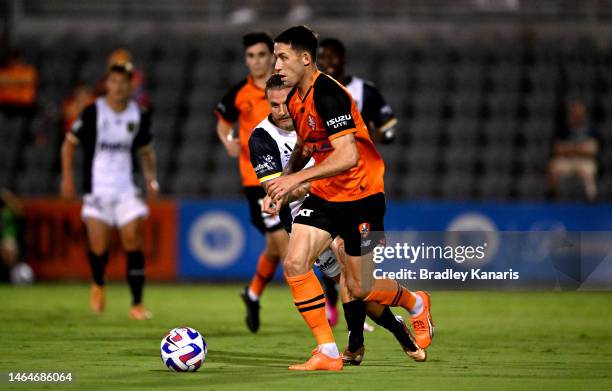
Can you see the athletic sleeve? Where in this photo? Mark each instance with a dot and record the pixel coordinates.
(144, 136)
(84, 128)
(375, 108)
(226, 109)
(265, 156)
(378, 112)
(333, 105)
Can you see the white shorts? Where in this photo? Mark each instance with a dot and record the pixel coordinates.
(116, 211)
(328, 264)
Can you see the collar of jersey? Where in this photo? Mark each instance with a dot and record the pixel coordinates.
(314, 79)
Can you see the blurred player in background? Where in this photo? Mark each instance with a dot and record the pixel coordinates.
(377, 115)
(270, 146)
(139, 93)
(346, 198)
(111, 131)
(245, 103)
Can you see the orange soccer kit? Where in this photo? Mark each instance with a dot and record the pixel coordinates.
(350, 205)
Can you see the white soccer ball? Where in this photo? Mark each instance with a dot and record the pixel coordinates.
(183, 349)
(22, 274)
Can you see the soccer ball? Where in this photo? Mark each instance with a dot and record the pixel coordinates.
(183, 349)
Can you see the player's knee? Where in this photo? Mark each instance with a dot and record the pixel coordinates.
(131, 241)
(356, 289)
(295, 266)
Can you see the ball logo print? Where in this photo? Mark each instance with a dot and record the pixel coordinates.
(183, 349)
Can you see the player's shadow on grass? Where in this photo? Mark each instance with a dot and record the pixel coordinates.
(248, 358)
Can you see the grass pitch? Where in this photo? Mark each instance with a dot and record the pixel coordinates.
(484, 340)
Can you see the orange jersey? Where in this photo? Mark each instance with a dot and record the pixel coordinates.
(247, 104)
(326, 112)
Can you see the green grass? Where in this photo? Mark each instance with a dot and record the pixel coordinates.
(485, 340)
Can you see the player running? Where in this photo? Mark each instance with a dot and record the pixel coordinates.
(270, 146)
(246, 104)
(376, 114)
(346, 197)
(111, 131)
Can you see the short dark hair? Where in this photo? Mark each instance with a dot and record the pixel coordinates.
(335, 45)
(126, 69)
(274, 82)
(300, 38)
(251, 39)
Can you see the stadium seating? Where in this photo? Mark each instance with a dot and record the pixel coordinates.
(476, 117)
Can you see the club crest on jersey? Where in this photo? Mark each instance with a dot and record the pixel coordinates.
(131, 127)
(311, 122)
(364, 229)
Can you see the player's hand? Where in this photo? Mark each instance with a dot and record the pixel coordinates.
(282, 186)
(232, 145)
(152, 188)
(67, 188)
(269, 206)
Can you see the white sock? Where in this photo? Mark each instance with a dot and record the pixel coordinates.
(418, 305)
(252, 295)
(330, 349)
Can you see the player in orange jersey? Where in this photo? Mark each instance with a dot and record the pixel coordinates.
(346, 197)
(246, 104)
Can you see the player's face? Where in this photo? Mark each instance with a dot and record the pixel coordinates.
(118, 87)
(330, 62)
(280, 113)
(259, 59)
(289, 64)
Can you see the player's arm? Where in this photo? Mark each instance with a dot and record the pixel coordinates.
(299, 158)
(382, 121)
(225, 132)
(143, 144)
(334, 106)
(83, 130)
(227, 115)
(149, 169)
(67, 183)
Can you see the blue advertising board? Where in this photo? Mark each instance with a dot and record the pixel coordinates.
(217, 240)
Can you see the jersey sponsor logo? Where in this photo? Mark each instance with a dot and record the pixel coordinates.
(305, 212)
(114, 147)
(131, 126)
(339, 121)
(266, 165)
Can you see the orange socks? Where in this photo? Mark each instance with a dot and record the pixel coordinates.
(391, 293)
(309, 299)
(265, 272)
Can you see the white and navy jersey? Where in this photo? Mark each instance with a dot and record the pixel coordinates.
(270, 148)
(109, 141)
(370, 103)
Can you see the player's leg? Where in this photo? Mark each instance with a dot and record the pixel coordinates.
(98, 239)
(360, 240)
(98, 219)
(131, 212)
(331, 300)
(305, 245)
(276, 246)
(276, 243)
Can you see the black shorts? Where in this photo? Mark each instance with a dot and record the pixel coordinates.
(360, 223)
(255, 195)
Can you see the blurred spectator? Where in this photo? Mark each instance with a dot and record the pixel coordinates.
(11, 230)
(82, 96)
(122, 56)
(17, 84)
(299, 12)
(575, 151)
